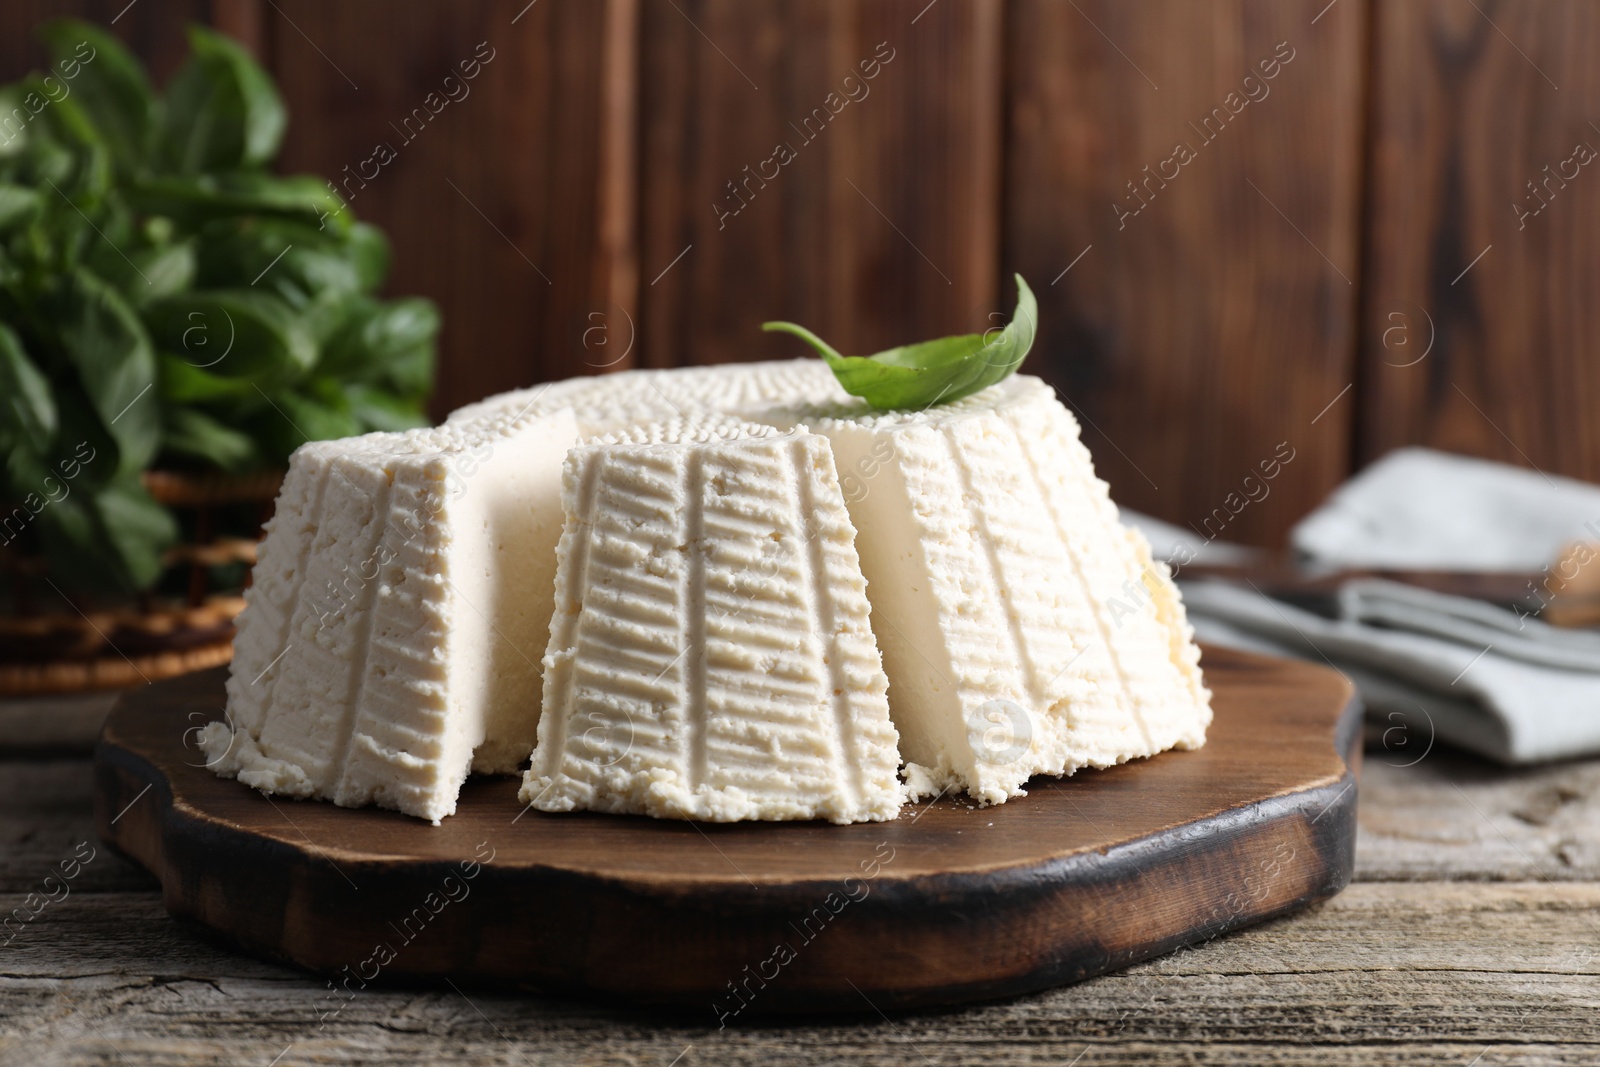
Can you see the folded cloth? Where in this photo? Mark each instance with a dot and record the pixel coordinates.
(1499, 696)
(1417, 509)
(1513, 634)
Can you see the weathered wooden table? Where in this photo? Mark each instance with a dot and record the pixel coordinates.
(1471, 936)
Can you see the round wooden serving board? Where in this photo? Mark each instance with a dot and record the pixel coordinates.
(948, 903)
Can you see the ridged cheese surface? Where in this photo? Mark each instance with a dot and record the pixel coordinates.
(711, 656)
(379, 656)
(679, 583)
(1024, 630)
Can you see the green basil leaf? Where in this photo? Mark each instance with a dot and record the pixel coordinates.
(109, 85)
(27, 408)
(109, 349)
(222, 110)
(19, 206)
(145, 274)
(193, 434)
(83, 450)
(183, 382)
(194, 201)
(111, 538)
(292, 418)
(933, 372)
(294, 260)
(369, 251)
(378, 409)
(27, 476)
(235, 333)
(139, 529)
(15, 117)
(388, 343)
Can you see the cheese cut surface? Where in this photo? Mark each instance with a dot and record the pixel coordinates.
(390, 638)
(711, 655)
(1024, 629)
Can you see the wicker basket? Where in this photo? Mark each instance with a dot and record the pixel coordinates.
(56, 644)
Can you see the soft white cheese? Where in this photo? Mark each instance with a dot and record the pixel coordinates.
(1024, 630)
(611, 402)
(710, 642)
(402, 596)
(711, 656)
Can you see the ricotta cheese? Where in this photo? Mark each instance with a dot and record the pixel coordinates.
(1024, 629)
(612, 402)
(401, 597)
(691, 550)
(711, 656)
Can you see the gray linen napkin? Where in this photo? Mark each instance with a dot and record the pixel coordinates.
(1480, 681)
(1417, 509)
(1514, 634)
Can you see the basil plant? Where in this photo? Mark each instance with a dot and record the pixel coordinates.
(167, 301)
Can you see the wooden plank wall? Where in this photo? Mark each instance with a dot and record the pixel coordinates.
(1478, 117)
(1204, 161)
(1230, 265)
(883, 224)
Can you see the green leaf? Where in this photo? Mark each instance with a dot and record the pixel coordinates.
(933, 372)
(378, 409)
(108, 84)
(83, 450)
(15, 117)
(235, 333)
(139, 528)
(107, 346)
(386, 343)
(19, 206)
(196, 435)
(223, 111)
(197, 200)
(66, 122)
(369, 251)
(294, 260)
(113, 537)
(27, 408)
(146, 274)
(292, 419)
(182, 382)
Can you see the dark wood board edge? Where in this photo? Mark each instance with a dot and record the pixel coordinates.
(907, 943)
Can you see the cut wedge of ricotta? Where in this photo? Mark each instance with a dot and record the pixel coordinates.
(1024, 629)
(711, 656)
(391, 638)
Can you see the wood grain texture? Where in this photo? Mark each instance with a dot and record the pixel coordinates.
(946, 904)
(1440, 970)
(1450, 814)
(1408, 974)
(1218, 321)
(1471, 102)
(509, 206)
(883, 225)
